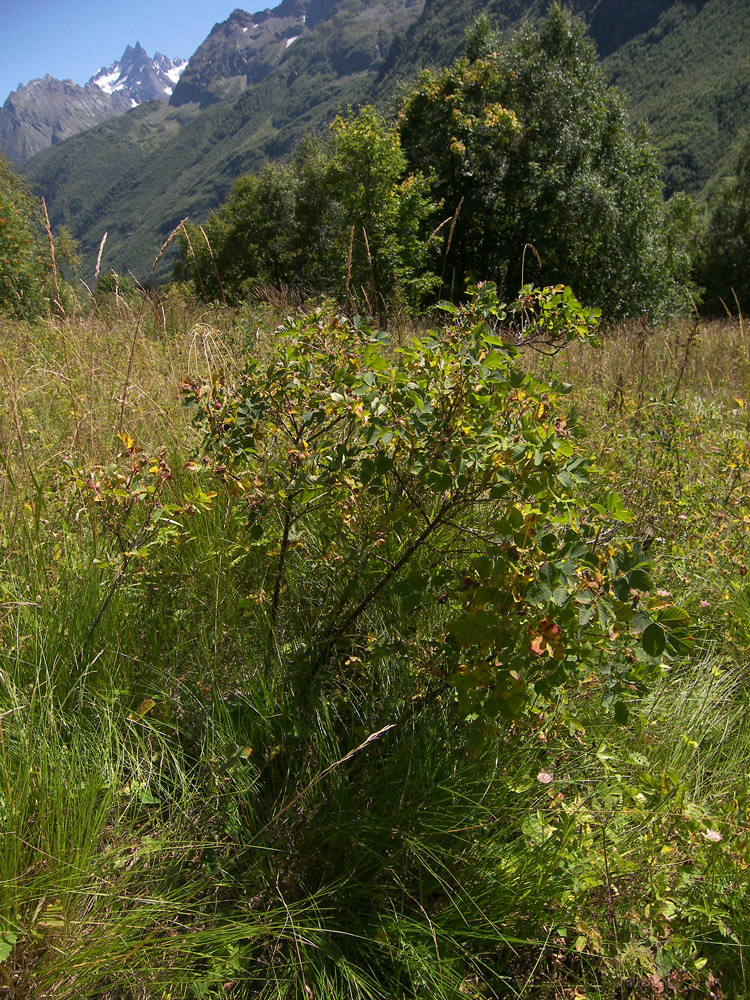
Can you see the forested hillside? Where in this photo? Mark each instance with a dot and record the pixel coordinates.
(514, 164)
(688, 79)
(138, 177)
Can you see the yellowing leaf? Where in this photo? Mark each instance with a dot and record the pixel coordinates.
(127, 440)
(143, 709)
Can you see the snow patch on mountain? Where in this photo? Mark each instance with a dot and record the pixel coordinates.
(175, 72)
(108, 82)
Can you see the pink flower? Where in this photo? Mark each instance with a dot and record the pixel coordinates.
(544, 777)
(713, 836)
(705, 604)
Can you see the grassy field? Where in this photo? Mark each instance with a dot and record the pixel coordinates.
(177, 823)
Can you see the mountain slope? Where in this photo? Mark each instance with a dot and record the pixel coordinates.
(238, 53)
(688, 79)
(349, 36)
(437, 36)
(45, 112)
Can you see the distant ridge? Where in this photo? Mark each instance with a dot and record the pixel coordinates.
(46, 112)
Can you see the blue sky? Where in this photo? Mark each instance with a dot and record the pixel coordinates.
(71, 39)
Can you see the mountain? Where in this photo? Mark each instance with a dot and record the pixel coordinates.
(240, 52)
(45, 112)
(243, 50)
(259, 81)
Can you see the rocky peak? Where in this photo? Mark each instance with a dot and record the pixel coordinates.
(140, 76)
(239, 52)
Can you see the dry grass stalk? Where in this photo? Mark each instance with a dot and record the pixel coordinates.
(58, 301)
(11, 387)
(213, 261)
(91, 349)
(448, 249)
(437, 229)
(195, 259)
(281, 298)
(372, 277)
(99, 261)
(139, 319)
(349, 268)
(528, 246)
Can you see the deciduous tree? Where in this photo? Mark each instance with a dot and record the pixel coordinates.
(529, 146)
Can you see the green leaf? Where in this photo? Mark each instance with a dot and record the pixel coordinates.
(8, 940)
(621, 588)
(538, 593)
(618, 510)
(622, 713)
(673, 616)
(640, 580)
(654, 640)
(375, 360)
(680, 642)
(449, 307)
(640, 623)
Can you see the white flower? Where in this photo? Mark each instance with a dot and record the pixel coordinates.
(713, 835)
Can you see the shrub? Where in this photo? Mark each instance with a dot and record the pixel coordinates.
(439, 486)
(22, 273)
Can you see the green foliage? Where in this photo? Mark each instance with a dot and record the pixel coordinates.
(26, 280)
(724, 267)
(279, 227)
(515, 155)
(683, 70)
(113, 286)
(386, 209)
(529, 146)
(339, 218)
(443, 477)
(22, 271)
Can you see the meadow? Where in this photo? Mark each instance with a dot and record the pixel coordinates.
(190, 809)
